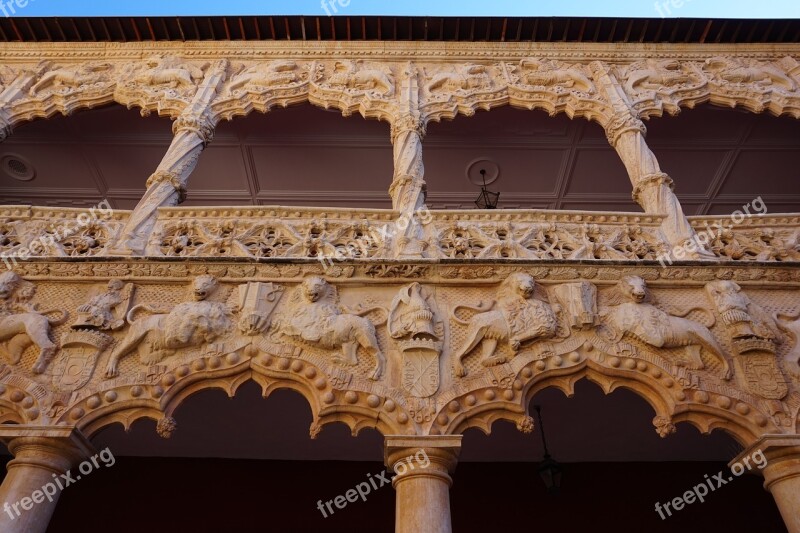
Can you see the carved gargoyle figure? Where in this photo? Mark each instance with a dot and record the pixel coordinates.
(737, 70)
(73, 76)
(23, 324)
(106, 311)
(464, 78)
(548, 74)
(188, 324)
(749, 326)
(631, 313)
(520, 318)
(349, 74)
(170, 71)
(265, 75)
(313, 315)
(655, 74)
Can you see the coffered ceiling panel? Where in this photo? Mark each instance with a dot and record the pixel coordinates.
(719, 159)
(764, 172)
(693, 170)
(530, 171)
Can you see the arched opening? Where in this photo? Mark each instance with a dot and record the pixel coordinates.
(541, 162)
(615, 468)
(232, 461)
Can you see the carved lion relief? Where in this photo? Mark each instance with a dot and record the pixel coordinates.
(632, 313)
(72, 77)
(518, 319)
(188, 324)
(313, 315)
(23, 324)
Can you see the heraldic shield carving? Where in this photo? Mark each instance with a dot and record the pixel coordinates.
(414, 321)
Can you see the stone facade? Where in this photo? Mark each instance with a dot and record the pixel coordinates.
(418, 323)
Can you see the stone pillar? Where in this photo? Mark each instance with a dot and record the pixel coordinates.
(781, 473)
(408, 183)
(652, 188)
(30, 492)
(423, 498)
(192, 131)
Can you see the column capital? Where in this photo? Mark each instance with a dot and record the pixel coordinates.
(55, 448)
(782, 453)
(408, 122)
(441, 450)
(781, 473)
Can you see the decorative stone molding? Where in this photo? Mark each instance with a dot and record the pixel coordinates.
(333, 235)
(283, 325)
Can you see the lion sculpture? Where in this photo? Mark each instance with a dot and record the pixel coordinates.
(632, 314)
(520, 318)
(187, 325)
(23, 324)
(314, 316)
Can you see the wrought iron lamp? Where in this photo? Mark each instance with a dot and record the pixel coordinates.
(487, 199)
(549, 470)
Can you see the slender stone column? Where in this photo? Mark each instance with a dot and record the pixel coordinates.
(781, 473)
(408, 187)
(652, 188)
(192, 131)
(422, 481)
(40, 455)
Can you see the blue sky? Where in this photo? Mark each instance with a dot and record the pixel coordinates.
(608, 8)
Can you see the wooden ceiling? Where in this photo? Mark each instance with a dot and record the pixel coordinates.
(359, 28)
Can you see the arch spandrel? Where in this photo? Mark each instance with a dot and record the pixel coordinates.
(379, 346)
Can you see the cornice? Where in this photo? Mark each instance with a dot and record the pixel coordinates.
(386, 50)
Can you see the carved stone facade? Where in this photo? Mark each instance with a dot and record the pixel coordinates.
(431, 324)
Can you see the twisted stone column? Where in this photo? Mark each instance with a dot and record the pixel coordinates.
(652, 188)
(781, 473)
(408, 186)
(422, 465)
(41, 455)
(192, 131)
